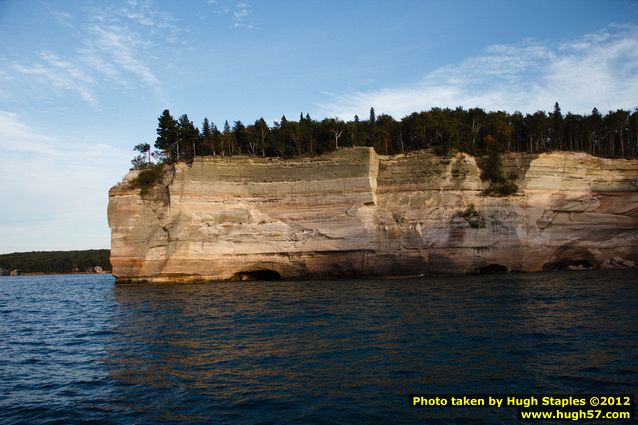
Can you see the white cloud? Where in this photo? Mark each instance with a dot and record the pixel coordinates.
(242, 11)
(115, 44)
(597, 70)
(239, 12)
(54, 190)
(59, 74)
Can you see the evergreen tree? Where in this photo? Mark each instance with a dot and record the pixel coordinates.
(188, 136)
(167, 135)
(386, 131)
(227, 140)
(143, 160)
(207, 139)
(145, 150)
(262, 130)
(557, 127)
(493, 169)
(241, 138)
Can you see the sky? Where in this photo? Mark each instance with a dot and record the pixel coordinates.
(83, 82)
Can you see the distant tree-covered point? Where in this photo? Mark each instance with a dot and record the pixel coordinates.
(56, 261)
(444, 130)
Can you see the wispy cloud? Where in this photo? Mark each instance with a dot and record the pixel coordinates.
(239, 12)
(116, 47)
(59, 74)
(597, 70)
(242, 11)
(54, 188)
(114, 43)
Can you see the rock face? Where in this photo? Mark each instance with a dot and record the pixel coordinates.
(353, 213)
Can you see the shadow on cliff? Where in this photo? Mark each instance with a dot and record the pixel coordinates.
(269, 275)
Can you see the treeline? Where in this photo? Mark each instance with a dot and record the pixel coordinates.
(473, 131)
(55, 261)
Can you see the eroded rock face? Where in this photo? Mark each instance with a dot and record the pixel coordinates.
(353, 213)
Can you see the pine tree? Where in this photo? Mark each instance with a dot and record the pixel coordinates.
(188, 136)
(227, 140)
(144, 159)
(167, 135)
(207, 139)
(557, 127)
(239, 131)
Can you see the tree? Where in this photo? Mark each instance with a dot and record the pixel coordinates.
(227, 140)
(373, 117)
(278, 140)
(387, 129)
(306, 130)
(557, 127)
(336, 128)
(207, 141)
(241, 138)
(294, 132)
(262, 129)
(354, 130)
(167, 136)
(619, 121)
(144, 148)
(252, 135)
(538, 126)
(478, 121)
(188, 136)
(143, 160)
(493, 169)
(498, 124)
(594, 127)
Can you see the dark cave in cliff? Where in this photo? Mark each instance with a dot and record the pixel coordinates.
(568, 263)
(493, 268)
(258, 275)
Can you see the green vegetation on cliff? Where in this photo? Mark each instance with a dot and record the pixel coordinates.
(473, 131)
(55, 261)
(149, 175)
(492, 171)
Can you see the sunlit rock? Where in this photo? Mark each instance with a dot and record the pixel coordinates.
(353, 213)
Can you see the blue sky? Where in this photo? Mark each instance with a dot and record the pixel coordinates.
(82, 82)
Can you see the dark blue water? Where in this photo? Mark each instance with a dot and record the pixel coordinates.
(78, 348)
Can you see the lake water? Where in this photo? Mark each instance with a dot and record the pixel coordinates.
(78, 348)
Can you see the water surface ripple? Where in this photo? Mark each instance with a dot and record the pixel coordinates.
(80, 349)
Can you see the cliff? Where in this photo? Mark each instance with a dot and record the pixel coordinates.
(353, 213)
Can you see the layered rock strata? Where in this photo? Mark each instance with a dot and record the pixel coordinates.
(353, 213)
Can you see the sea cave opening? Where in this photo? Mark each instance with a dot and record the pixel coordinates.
(568, 264)
(265, 274)
(493, 268)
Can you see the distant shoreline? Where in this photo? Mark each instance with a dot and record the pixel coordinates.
(90, 261)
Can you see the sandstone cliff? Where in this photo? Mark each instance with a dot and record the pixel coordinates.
(353, 213)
